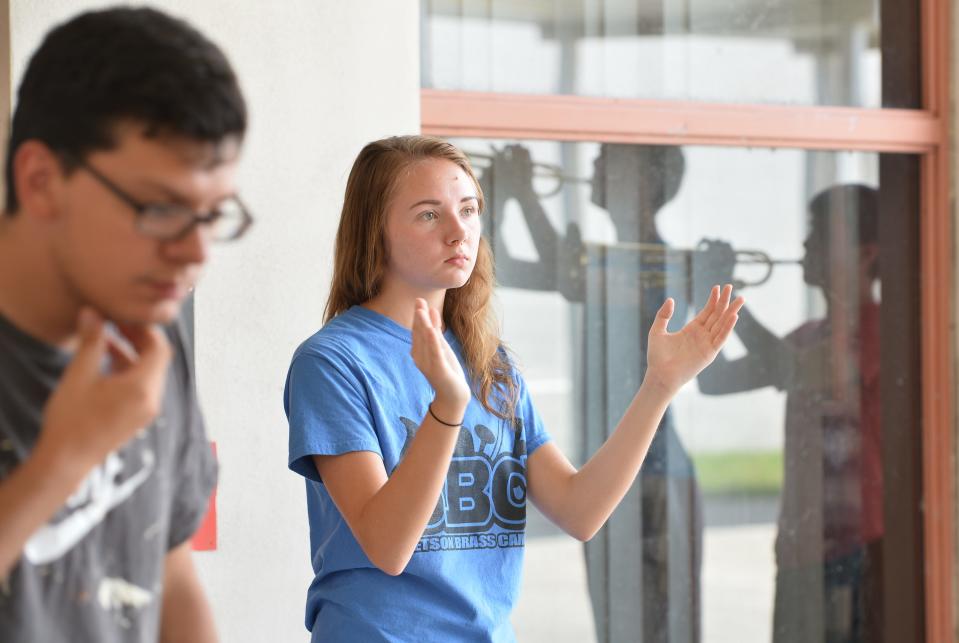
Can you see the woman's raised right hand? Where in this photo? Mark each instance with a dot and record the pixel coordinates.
(436, 360)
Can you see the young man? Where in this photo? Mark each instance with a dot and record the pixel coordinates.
(120, 172)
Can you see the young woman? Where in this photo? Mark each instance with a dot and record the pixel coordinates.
(416, 434)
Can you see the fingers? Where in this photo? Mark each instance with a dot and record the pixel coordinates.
(726, 324)
(440, 340)
(152, 348)
(434, 357)
(421, 317)
(723, 330)
(663, 315)
(122, 355)
(435, 319)
(421, 324)
(427, 331)
(718, 306)
(427, 316)
(707, 310)
(738, 303)
(93, 343)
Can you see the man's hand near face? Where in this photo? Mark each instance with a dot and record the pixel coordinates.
(91, 414)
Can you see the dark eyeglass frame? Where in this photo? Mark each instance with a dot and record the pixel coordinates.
(143, 210)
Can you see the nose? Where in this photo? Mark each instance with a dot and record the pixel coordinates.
(458, 231)
(191, 248)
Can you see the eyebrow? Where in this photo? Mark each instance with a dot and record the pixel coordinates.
(435, 202)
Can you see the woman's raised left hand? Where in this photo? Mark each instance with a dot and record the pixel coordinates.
(675, 358)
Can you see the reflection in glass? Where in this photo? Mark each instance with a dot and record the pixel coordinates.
(758, 515)
(828, 577)
(621, 286)
(806, 52)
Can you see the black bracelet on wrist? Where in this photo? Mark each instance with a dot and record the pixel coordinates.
(430, 409)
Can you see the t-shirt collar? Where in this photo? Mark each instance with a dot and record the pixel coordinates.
(390, 326)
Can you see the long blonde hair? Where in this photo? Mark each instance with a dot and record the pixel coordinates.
(360, 260)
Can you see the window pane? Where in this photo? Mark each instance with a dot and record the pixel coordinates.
(805, 52)
(760, 513)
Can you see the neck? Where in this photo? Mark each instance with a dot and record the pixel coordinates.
(636, 226)
(848, 308)
(33, 295)
(399, 303)
(855, 294)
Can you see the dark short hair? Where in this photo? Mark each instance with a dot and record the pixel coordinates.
(122, 64)
(859, 203)
(661, 169)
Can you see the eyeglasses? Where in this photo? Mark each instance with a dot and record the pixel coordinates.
(165, 221)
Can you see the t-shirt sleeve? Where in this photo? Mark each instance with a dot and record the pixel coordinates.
(196, 467)
(328, 411)
(536, 434)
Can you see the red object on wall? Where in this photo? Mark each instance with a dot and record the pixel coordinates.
(205, 537)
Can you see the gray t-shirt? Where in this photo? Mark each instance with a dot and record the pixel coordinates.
(95, 571)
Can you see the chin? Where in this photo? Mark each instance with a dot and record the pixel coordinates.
(164, 313)
(165, 317)
(458, 283)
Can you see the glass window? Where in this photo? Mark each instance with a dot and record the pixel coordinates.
(803, 52)
(761, 512)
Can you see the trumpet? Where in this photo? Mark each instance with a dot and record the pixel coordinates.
(680, 261)
(541, 170)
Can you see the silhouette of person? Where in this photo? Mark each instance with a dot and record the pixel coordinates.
(831, 515)
(621, 286)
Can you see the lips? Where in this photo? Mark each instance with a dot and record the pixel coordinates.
(458, 260)
(168, 289)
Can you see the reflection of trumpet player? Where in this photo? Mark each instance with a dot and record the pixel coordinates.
(831, 515)
(632, 183)
(508, 174)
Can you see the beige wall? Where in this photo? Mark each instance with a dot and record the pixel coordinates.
(322, 78)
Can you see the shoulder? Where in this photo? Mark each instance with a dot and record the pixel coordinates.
(511, 365)
(178, 335)
(809, 332)
(344, 344)
(181, 344)
(339, 340)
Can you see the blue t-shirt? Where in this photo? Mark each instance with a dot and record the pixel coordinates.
(354, 387)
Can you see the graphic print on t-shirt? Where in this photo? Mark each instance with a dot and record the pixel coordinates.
(103, 489)
(485, 488)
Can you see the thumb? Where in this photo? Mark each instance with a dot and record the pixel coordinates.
(663, 315)
(93, 343)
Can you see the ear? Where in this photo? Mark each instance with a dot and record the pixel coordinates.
(37, 177)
